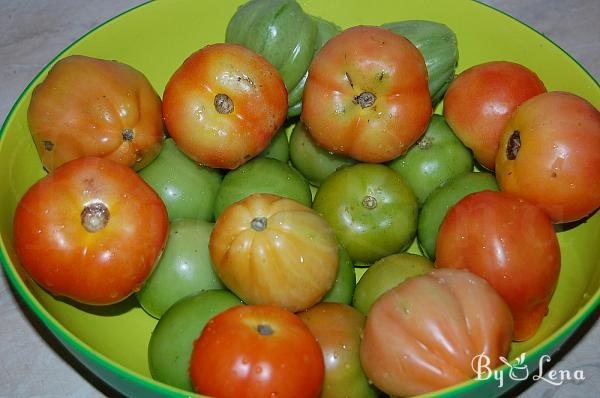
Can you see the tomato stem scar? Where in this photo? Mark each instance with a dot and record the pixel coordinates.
(94, 216)
(369, 202)
(365, 99)
(259, 223)
(223, 104)
(264, 330)
(513, 146)
(128, 134)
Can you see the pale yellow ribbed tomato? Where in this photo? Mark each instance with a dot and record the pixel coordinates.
(272, 250)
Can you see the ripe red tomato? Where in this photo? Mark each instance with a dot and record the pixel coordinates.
(257, 351)
(95, 107)
(424, 334)
(509, 242)
(550, 155)
(481, 100)
(91, 230)
(224, 105)
(366, 95)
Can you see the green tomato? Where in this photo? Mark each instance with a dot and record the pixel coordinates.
(184, 268)
(435, 158)
(262, 175)
(345, 281)
(371, 209)
(315, 163)
(172, 340)
(280, 31)
(279, 147)
(437, 204)
(325, 31)
(385, 274)
(187, 188)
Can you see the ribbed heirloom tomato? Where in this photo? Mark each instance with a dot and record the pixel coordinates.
(424, 334)
(366, 95)
(224, 104)
(91, 230)
(253, 351)
(268, 249)
(94, 107)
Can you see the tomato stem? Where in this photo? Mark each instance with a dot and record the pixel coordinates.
(259, 223)
(94, 216)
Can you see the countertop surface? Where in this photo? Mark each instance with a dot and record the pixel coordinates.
(32, 32)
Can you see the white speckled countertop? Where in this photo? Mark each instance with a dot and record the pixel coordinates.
(32, 32)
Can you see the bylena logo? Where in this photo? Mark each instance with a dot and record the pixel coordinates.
(518, 370)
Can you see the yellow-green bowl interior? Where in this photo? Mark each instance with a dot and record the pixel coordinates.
(155, 38)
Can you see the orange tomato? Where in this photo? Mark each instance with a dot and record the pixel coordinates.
(426, 333)
(94, 107)
(224, 104)
(366, 95)
(272, 250)
(550, 155)
(91, 230)
(481, 100)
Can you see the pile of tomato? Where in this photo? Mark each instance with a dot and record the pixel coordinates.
(241, 226)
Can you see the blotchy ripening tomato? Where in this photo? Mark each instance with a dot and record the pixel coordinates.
(338, 328)
(424, 334)
(366, 95)
(550, 155)
(91, 230)
(268, 249)
(95, 107)
(224, 105)
(257, 351)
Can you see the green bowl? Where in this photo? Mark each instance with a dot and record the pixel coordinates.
(155, 38)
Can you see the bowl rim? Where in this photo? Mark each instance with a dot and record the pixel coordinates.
(75, 344)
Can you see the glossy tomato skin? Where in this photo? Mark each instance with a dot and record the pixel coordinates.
(268, 249)
(509, 242)
(423, 334)
(366, 95)
(338, 328)
(262, 175)
(184, 268)
(93, 107)
(187, 189)
(550, 155)
(371, 208)
(224, 104)
(385, 274)
(91, 230)
(257, 351)
(172, 339)
(436, 157)
(480, 101)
